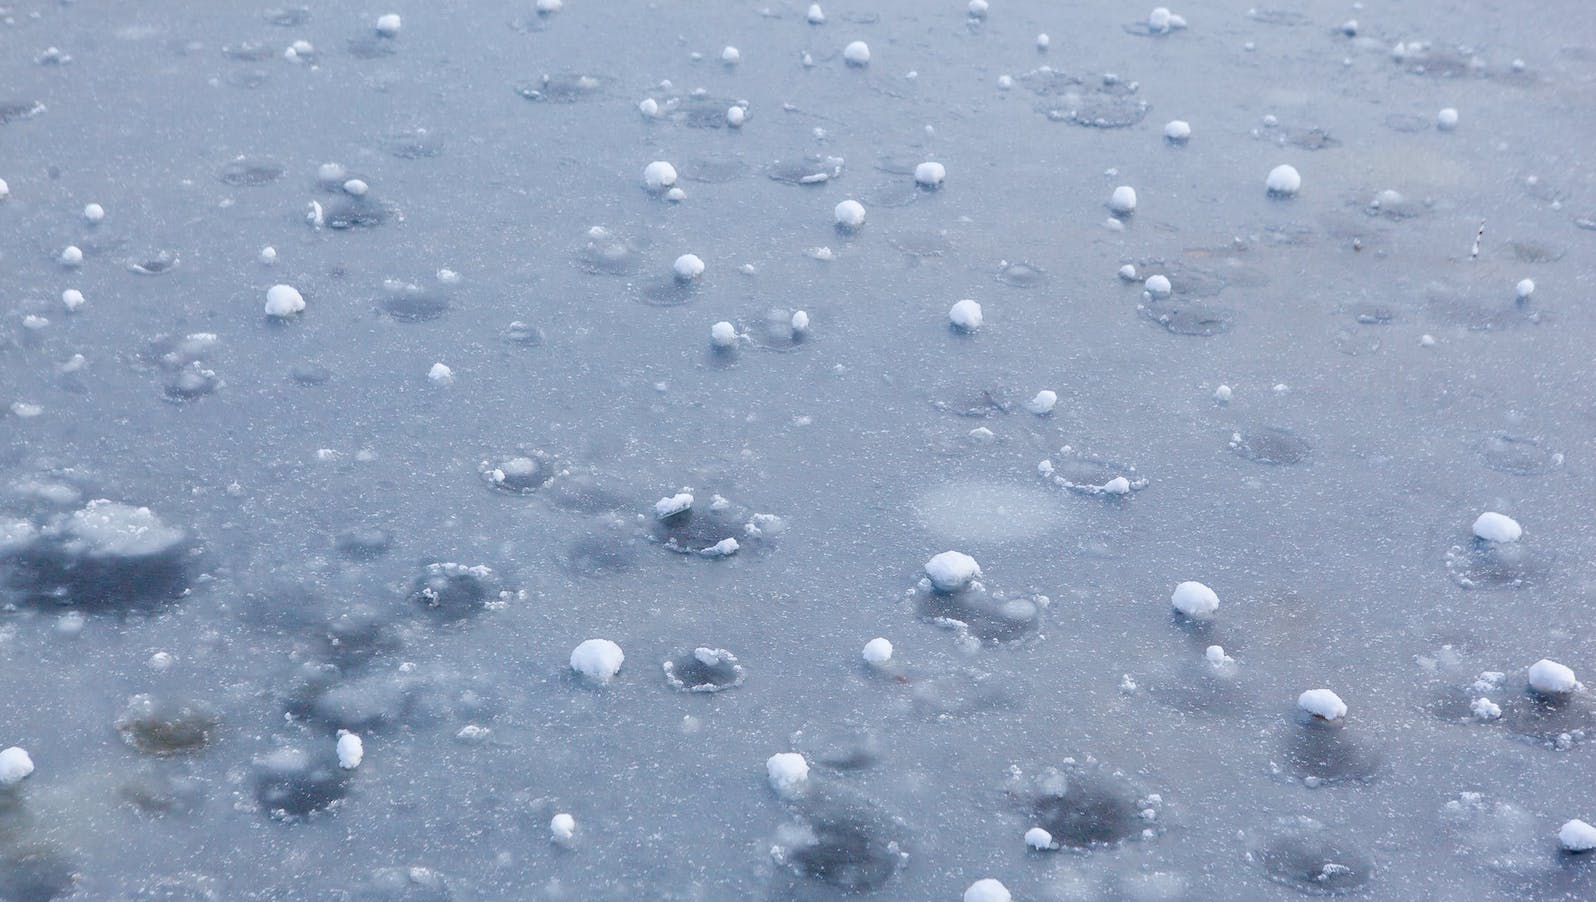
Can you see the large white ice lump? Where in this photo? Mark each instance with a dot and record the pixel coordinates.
(930, 174)
(1577, 836)
(1322, 703)
(1494, 527)
(965, 315)
(111, 529)
(351, 751)
(14, 765)
(283, 300)
(987, 890)
(659, 175)
(672, 505)
(1283, 180)
(599, 660)
(1195, 600)
(1551, 678)
(787, 772)
(951, 571)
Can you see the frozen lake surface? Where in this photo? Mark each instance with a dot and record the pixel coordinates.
(297, 583)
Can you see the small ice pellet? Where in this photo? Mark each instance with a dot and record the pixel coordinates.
(731, 56)
(1322, 703)
(736, 116)
(1159, 19)
(787, 772)
(978, 9)
(659, 175)
(562, 827)
(1427, 340)
(597, 660)
(988, 889)
(800, 321)
(389, 24)
(162, 660)
(1128, 272)
(72, 255)
(440, 374)
(816, 16)
(1043, 41)
(1195, 600)
(283, 301)
(1039, 839)
(930, 174)
(1524, 289)
(72, 298)
(952, 571)
(857, 53)
(1123, 201)
(688, 267)
(1577, 836)
(723, 335)
(1223, 394)
(1446, 120)
(15, 765)
(1551, 678)
(1157, 286)
(1177, 131)
(1494, 527)
(1485, 709)
(268, 255)
(649, 107)
(356, 187)
(448, 276)
(850, 214)
(1216, 657)
(34, 321)
(1005, 82)
(965, 315)
(877, 651)
(1043, 402)
(548, 7)
(350, 750)
(94, 213)
(5, 190)
(676, 195)
(1283, 180)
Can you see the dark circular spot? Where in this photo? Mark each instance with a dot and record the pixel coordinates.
(1273, 445)
(523, 335)
(844, 850)
(1517, 454)
(1307, 858)
(365, 543)
(295, 783)
(1086, 808)
(250, 172)
(450, 591)
(566, 87)
(977, 611)
(163, 726)
(355, 213)
(520, 474)
(603, 253)
(414, 303)
(703, 670)
(1329, 752)
(606, 547)
(153, 264)
(805, 170)
(310, 374)
(1022, 275)
(35, 873)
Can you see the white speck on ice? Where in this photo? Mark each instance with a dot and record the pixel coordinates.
(1177, 131)
(1524, 289)
(1485, 709)
(94, 213)
(440, 374)
(1494, 527)
(736, 116)
(951, 571)
(987, 889)
(1195, 600)
(1039, 839)
(965, 315)
(1157, 286)
(1123, 201)
(930, 174)
(1322, 703)
(723, 335)
(877, 651)
(283, 300)
(72, 255)
(688, 267)
(1223, 394)
(562, 827)
(1283, 180)
(1043, 403)
(1446, 120)
(800, 322)
(659, 175)
(1551, 678)
(648, 107)
(787, 771)
(599, 660)
(671, 505)
(850, 214)
(388, 25)
(15, 765)
(1577, 836)
(857, 53)
(350, 750)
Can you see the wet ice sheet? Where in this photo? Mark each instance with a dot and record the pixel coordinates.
(330, 542)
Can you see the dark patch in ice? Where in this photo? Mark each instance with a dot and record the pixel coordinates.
(955, 694)
(450, 591)
(356, 213)
(523, 335)
(703, 670)
(1558, 721)
(988, 616)
(1475, 563)
(980, 403)
(1085, 806)
(1309, 138)
(248, 79)
(1305, 856)
(411, 884)
(846, 844)
(806, 170)
(702, 528)
(604, 253)
(671, 292)
(161, 726)
(1457, 305)
(105, 556)
(1520, 455)
(370, 47)
(249, 172)
(1194, 319)
(18, 110)
(1106, 102)
(35, 872)
(605, 547)
(411, 303)
(845, 748)
(1286, 17)
(1366, 313)
(249, 51)
(323, 695)
(1329, 752)
(191, 383)
(364, 543)
(1273, 445)
(702, 111)
(715, 170)
(775, 332)
(155, 263)
(893, 194)
(585, 490)
(286, 16)
(921, 244)
(519, 474)
(1530, 251)
(1021, 274)
(414, 144)
(566, 87)
(310, 374)
(1407, 123)
(294, 783)
(160, 792)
